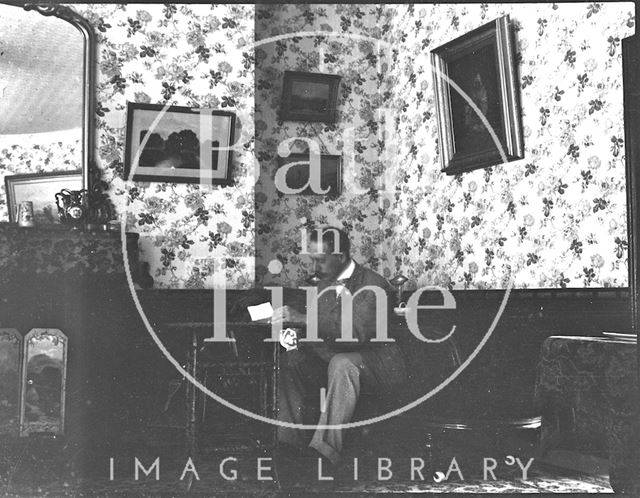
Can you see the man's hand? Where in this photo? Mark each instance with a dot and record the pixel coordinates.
(287, 314)
(289, 339)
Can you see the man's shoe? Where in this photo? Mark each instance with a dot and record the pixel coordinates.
(322, 468)
(290, 451)
(297, 466)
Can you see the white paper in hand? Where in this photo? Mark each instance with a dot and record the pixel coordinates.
(262, 311)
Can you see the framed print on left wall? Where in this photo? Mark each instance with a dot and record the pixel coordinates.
(178, 144)
(477, 99)
(41, 189)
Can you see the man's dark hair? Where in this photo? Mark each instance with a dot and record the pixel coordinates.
(330, 237)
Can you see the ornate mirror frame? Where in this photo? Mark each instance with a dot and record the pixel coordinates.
(10, 363)
(631, 80)
(88, 99)
(47, 426)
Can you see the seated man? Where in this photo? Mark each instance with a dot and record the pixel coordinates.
(346, 367)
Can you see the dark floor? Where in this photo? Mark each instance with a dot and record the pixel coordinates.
(45, 467)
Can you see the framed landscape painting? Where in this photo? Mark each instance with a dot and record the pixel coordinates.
(309, 97)
(178, 144)
(41, 189)
(477, 103)
(297, 176)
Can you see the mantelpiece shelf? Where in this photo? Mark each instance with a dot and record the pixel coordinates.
(55, 251)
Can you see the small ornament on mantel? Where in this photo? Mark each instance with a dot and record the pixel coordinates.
(72, 207)
(100, 209)
(24, 214)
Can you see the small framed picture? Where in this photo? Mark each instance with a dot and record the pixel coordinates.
(178, 144)
(294, 175)
(479, 119)
(309, 97)
(41, 189)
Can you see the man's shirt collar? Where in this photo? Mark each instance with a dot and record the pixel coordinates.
(347, 272)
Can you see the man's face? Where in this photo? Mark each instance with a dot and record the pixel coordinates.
(326, 264)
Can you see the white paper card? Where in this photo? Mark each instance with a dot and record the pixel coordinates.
(260, 311)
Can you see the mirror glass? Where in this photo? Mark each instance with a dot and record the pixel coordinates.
(10, 347)
(43, 382)
(42, 76)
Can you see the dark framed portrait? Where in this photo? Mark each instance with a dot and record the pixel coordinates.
(309, 97)
(298, 174)
(477, 101)
(178, 144)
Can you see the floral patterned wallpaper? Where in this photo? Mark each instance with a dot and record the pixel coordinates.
(346, 44)
(557, 218)
(554, 219)
(190, 55)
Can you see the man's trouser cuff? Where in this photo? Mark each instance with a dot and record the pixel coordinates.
(326, 451)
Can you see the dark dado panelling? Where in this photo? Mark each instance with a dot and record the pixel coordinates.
(500, 380)
(117, 374)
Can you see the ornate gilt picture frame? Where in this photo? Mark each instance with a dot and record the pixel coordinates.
(477, 102)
